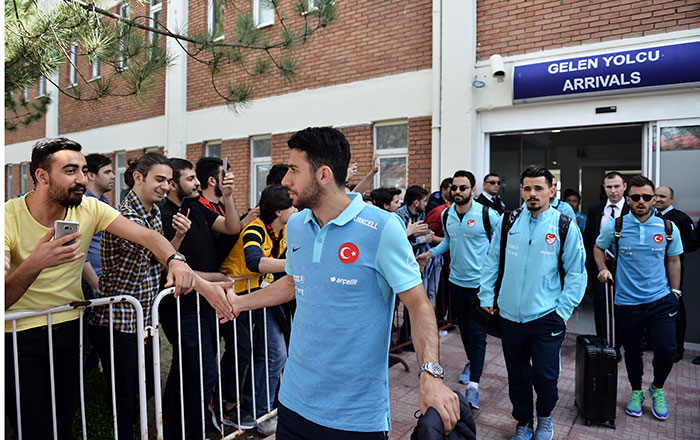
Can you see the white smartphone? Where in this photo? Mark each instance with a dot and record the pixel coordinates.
(64, 228)
(225, 165)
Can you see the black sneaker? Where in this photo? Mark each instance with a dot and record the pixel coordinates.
(230, 418)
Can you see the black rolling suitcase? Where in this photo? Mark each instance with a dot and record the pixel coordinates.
(596, 372)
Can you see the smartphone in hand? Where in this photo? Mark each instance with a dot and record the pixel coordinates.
(64, 228)
(186, 205)
(225, 169)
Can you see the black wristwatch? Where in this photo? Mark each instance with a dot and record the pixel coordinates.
(176, 256)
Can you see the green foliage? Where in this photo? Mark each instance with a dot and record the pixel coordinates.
(132, 53)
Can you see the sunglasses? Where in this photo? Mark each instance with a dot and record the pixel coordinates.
(636, 197)
(494, 182)
(460, 187)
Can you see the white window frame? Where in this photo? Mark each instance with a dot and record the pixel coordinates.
(254, 162)
(96, 69)
(72, 70)
(209, 146)
(389, 153)
(119, 170)
(312, 5)
(211, 18)
(41, 86)
(124, 11)
(23, 176)
(256, 15)
(25, 93)
(153, 9)
(8, 181)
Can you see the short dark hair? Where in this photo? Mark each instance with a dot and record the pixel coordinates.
(324, 146)
(612, 175)
(446, 183)
(538, 172)
(467, 174)
(207, 167)
(178, 164)
(568, 192)
(276, 173)
(274, 197)
(414, 193)
(96, 161)
(640, 181)
(143, 165)
(44, 149)
(486, 177)
(383, 196)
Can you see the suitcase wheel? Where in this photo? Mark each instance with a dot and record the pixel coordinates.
(612, 424)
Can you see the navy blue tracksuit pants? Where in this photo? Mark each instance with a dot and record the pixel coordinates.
(473, 337)
(532, 354)
(659, 317)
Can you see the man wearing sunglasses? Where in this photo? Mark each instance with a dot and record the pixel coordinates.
(490, 197)
(647, 292)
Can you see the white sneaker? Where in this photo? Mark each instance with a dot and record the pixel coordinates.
(442, 333)
(268, 427)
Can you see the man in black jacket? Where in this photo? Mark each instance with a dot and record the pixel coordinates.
(490, 197)
(664, 206)
(598, 216)
(439, 198)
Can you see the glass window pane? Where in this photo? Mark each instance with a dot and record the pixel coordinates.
(392, 136)
(121, 160)
(266, 13)
(680, 155)
(393, 172)
(213, 150)
(261, 171)
(262, 147)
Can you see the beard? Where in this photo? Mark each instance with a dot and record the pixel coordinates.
(217, 191)
(309, 197)
(182, 194)
(463, 201)
(67, 199)
(532, 208)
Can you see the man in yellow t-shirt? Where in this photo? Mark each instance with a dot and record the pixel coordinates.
(45, 273)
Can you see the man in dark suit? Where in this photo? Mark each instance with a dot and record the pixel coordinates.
(598, 216)
(490, 197)
(664, 206)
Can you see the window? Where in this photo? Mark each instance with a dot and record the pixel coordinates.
(313, 4)
(213, 149)
(41, 87)
(263, 13)
(72, 66)
(96, 69)
(154, 13)
(8, 182)
(391, 144)
(23, 172)
(215, 19)
(120, 189)
(260, 164)
(124, 13)
(25, 93)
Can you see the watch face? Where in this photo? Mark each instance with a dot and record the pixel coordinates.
(436, 369)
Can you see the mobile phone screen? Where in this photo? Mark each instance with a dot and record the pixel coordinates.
(186, 205)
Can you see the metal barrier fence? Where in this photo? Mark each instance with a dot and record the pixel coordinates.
(219, 400)
(81, 306)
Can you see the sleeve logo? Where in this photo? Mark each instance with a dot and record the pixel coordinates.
(348, 253)
(471, 223)
(658, 238)
(550, 239)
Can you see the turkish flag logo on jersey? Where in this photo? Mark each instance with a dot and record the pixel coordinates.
(471, 223)
(658, 238)
(348, 253)
(550, 239)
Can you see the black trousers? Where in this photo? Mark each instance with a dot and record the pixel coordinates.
(230, 376)
(126, 374)
(680, 327)
(659, 317)
(292, 426)
(35, 380)
(473, 337)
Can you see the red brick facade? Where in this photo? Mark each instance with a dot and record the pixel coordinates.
(518, 27)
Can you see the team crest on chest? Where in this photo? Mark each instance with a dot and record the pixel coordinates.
(658, 238)
(550, 239)
(471, 223)
(348, 253)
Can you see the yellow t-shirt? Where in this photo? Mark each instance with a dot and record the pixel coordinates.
(57, 285)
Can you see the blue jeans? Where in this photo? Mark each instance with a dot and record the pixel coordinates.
(277, 357)
(190, 370)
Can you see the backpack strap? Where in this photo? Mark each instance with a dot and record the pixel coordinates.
(444, 221)
(509, 218)
(618, 234)
(564, 223)
(487, 221)
(669, 232)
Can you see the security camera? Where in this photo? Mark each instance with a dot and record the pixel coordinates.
(498, 69)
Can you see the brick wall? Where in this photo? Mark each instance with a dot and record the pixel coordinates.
(517, 27)
(77, 116)
(371, 39)
(35, 130)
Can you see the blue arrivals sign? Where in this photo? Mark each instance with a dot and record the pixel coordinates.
(663, 66)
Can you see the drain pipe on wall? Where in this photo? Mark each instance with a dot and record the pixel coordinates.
(437, 95)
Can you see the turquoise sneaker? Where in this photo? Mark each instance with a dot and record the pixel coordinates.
(464, 375)
(522, 433)
(472, 396)
(634, 406)
(545, 428)
(658, 403)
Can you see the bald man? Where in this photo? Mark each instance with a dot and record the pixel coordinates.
(664, 206)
